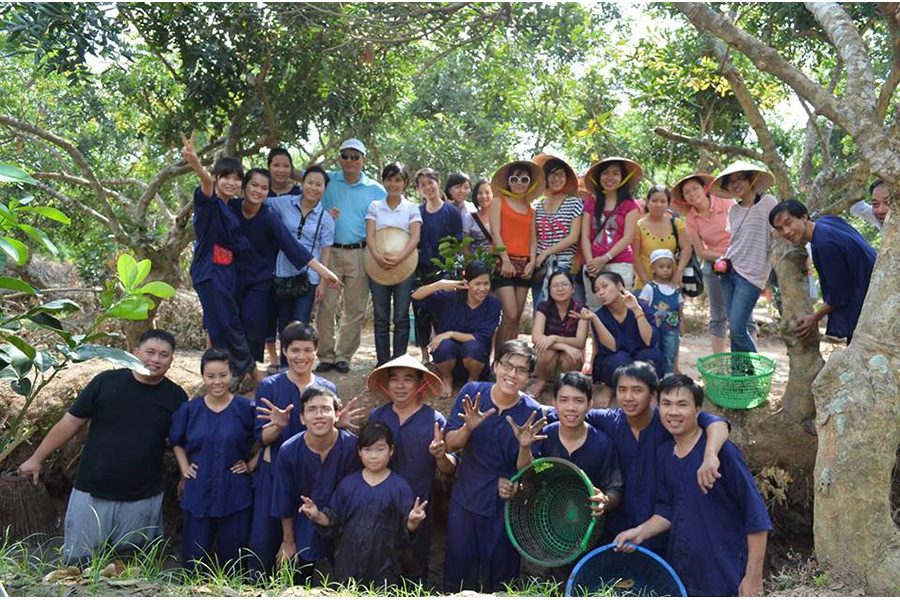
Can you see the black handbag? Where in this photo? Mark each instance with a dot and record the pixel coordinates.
(692, 279)
(294, 286)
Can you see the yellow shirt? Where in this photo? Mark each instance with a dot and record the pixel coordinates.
(650, 242)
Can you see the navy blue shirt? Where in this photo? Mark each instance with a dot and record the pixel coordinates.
(412, 460)
(844, 261)
(597, 456)
(371, 524)
(452, 313)
(490, 452)
(214, 441)
(282, 392)
(300, 472)
(295, 190)
(627, 335)
(265, 235)
(214, 225)
(708, 537)
(446, 221)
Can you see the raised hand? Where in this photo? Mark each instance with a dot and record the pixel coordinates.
(240, 467)
(187, 150)
(452, 285)
(529, 432)
(275, 416)
(472, 414)
(416, 515)
(348, 415)
(437, 447)
(631, 303)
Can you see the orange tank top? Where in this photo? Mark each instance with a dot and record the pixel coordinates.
(515, 229)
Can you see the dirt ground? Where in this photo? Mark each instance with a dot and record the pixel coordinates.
(59, 471)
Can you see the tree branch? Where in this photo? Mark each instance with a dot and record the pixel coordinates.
(79, 160)
(889, 9)
(151, 190)
(72, 180)
(709, 144)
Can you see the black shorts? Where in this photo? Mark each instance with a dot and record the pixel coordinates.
(520, 282)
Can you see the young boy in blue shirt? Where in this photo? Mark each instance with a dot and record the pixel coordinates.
(717, 540)
(310, 464)
(476, 534)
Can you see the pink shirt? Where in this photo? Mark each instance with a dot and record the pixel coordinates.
(713, 230)
(613, 229)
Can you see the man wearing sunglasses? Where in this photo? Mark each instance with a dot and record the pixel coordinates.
(347, 198)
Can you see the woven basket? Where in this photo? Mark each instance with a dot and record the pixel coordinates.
(26, 508)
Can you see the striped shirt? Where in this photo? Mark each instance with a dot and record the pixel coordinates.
(288, 208)
(751, 240)
(554, 227)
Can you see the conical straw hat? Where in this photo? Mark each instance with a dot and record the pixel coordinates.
(678, 196)
(760, 179)
(377, 381)
(500, 185)
(633, 173)
(392, 240)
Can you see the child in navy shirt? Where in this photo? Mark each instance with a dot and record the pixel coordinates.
(419, 448)
(717, 541)
(372, 512)
(212, 436)
(667, 305)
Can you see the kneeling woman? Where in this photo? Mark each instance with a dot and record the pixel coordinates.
(559, 334)
(212, 436)
(623, 327)
(466, 318)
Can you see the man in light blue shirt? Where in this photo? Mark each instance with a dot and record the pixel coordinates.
(347, 198)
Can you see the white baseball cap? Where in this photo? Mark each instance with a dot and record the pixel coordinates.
(354, 144)
(661, 253)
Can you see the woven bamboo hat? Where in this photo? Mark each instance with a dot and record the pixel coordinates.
(377, 381)
(391, 240)
(678, 195)
(633, 173)
(571, 178)
(500, 183)
(760, 180)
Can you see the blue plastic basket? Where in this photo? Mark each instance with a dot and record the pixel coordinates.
(638, 573)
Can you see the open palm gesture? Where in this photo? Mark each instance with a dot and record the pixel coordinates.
(529, 432)
(472, 414)
(276, 417)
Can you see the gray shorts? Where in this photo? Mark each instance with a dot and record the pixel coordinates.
(92, 522)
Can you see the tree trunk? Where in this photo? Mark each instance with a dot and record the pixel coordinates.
(856, 394)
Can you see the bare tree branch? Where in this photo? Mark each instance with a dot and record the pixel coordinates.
(72, 180)
(79, 160)
(709, 144)
(889, 9)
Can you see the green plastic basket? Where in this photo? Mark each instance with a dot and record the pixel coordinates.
(740, 380)
(549, 519)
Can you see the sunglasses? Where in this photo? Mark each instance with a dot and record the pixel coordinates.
(347, 156)
(523, 179)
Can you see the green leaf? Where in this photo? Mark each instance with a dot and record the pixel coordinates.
(18, 360)
(45, 361)
(40, 237)
(55, 306)
(143, 271)
(49, 212)
(131, 309)
(8, 215)
(8, 372)
(21, 386)
(12, 174)
(128, 270)
(14, 249)
(45, 321)
(160, 289)
(22, 345)
(12, 283)
(117, 357)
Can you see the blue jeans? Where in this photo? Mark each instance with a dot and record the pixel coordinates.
(382, 296)
(295, 309)
(740, 299)
(669, 341)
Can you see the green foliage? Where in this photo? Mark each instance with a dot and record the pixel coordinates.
(28, 367)
(456, 254)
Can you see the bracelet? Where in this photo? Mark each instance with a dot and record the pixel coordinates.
(608, 257)
(640, 314)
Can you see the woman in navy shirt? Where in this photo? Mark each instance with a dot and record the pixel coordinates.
(212, 436)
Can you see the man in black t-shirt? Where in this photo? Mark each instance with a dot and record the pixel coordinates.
(117, 496)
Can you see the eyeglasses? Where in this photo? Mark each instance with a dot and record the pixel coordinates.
(562, 285)
(515, 369)
(348, 156)
(523, 179)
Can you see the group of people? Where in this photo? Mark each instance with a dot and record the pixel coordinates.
(281, 477)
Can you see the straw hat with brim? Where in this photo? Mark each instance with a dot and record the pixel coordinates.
(571, 187)
(377, 381)
(500, 183)
(760, 180)
(391, 240)
(678, 195)
(633, 174)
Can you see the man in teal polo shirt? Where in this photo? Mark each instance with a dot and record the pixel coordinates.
(347, 197)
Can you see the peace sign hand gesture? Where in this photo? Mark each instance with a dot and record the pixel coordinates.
(437, 448)
(275, 416)
(631, 303)
(416, 515)
(529, 432)
(472, 414)
(187, 150)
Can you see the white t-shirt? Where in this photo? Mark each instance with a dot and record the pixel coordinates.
(647, 292)
(400, 217)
